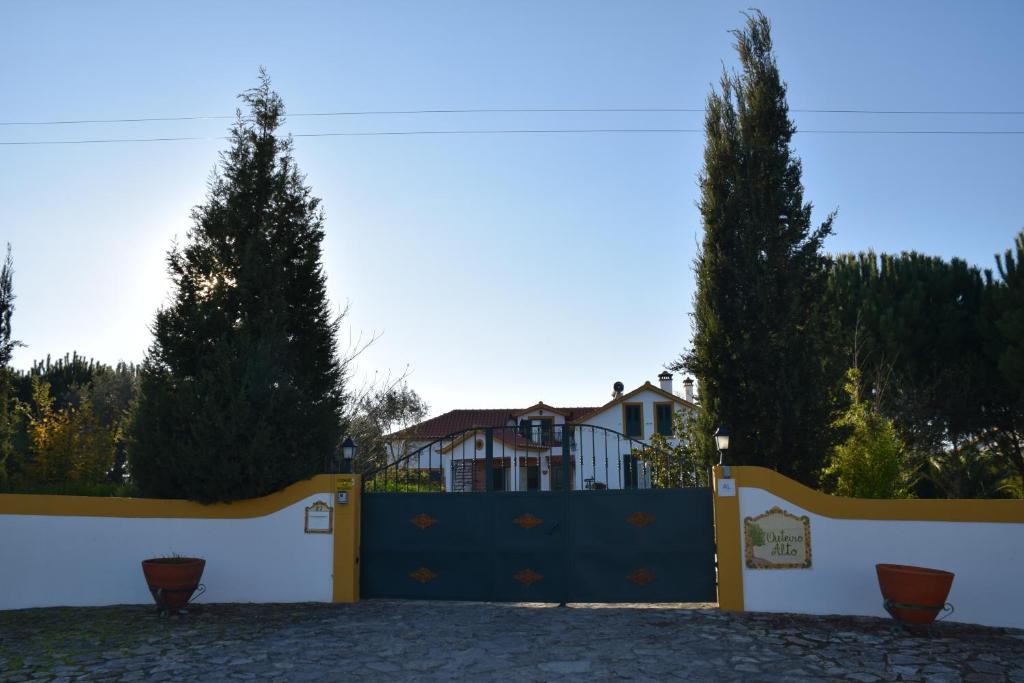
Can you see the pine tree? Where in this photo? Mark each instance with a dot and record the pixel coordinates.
(242, 389)
(1006, 313)
(759, 346)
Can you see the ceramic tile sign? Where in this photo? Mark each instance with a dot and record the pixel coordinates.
(319, 518)
(777, 540)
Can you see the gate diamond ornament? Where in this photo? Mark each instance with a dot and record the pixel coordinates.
(527, 577)
(423, 521)
(641, 577)
(640, 519)
(527, 521)
(423, 575)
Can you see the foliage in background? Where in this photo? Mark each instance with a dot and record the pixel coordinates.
(942, 342)
(380, 411)
(758, 350)
(66, 445)
(1006, 334)
(677, 461)
(868, 463)
(242, 388)
(89, 410)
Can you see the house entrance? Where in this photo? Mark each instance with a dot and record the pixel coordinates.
(583, 514)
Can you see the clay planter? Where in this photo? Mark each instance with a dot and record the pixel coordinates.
(173, 580)
(913, 596)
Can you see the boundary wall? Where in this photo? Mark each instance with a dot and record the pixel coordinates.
(81, 550)
(981, 541)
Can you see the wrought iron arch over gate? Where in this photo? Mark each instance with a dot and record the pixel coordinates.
(556, 513)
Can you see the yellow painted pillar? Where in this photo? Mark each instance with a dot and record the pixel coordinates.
(727, 539)
(346, 537)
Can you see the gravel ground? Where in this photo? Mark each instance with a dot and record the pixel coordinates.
(440, 641)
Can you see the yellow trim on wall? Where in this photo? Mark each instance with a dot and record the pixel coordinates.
(540, 406)
(624, 427)
(940, 510)
(90, 506)
(345, 577)
(728, 548)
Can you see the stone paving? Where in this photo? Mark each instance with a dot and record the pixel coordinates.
(442, 641)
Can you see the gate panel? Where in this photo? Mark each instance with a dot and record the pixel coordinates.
(529, 542)
(642, 546)
(426, 534)
(425, 545)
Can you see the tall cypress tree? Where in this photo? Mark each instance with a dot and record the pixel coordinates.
(242, 389)
(7, 346)
(758, 347)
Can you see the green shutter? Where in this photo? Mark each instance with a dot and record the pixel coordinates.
(634, 421)
(663, 416)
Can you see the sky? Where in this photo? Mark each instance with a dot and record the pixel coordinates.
(501, 269)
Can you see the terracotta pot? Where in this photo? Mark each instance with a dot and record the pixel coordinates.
(913, 595)
(173, 580)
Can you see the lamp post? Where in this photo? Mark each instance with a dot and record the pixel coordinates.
(348, 454)
(722, 441)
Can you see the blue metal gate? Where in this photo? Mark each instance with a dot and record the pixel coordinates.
(484, 515)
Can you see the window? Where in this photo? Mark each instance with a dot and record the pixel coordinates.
(633, 420)
(663, 418)
(543, 429)
(463, 476)
(557, 474)
(499, 478)
(529, 475)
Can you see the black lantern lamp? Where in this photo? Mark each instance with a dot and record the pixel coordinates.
(348, 454)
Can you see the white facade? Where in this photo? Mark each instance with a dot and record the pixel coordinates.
(986, 558)
(62, 560)
(598, 448)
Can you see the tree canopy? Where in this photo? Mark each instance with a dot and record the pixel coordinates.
(242, 389)
(758, 349)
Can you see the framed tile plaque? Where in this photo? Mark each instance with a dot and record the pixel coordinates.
(319, 518)
(777, 539)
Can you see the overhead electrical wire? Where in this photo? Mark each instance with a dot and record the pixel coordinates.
(520, 110)
(506, 131)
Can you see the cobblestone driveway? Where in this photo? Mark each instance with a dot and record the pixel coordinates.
(412, 641)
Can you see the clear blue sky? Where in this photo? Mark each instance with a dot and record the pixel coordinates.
(502, 269)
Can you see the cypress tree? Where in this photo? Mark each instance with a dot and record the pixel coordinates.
(759, 346)
(242, 388)
(7, 346)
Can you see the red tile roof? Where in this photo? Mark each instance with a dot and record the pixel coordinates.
(461, 419)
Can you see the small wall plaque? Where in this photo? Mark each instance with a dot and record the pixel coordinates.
(319, 518)
(777, 539)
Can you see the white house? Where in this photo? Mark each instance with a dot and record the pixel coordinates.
(528, 443)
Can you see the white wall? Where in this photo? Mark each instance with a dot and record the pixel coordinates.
(987, 559)
(64, 560)
(612, 417)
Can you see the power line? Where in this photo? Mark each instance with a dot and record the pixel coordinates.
(517, 110)
(507, 131)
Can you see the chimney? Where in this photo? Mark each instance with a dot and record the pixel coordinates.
(665, 379)
(617, 389)
(688, 389)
